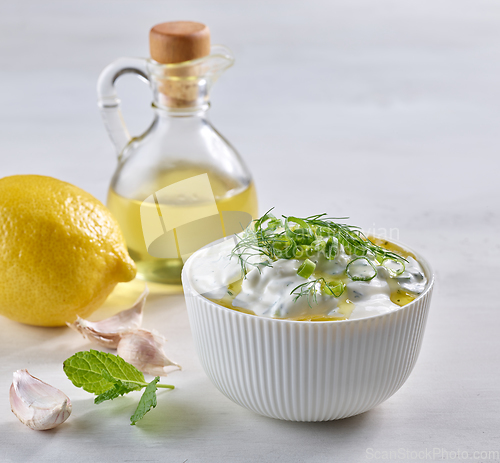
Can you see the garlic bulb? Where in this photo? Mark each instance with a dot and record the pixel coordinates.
(108, 332)
(37, 404)
(144, 350)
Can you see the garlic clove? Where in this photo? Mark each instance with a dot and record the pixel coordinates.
(38, 405)
(144, 350)
(108, 332)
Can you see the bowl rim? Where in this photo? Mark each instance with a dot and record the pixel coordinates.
(420, 259)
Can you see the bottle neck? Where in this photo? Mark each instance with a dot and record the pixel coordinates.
(189, 112)
(187, 85)
(180, 94)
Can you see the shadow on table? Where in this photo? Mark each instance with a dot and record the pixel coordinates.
(177, 418)
(183, 420)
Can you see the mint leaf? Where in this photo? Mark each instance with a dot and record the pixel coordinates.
(110, 394)
(109, 376)
(147, 402)
(124, 385)
(97, 372)
(119, 388)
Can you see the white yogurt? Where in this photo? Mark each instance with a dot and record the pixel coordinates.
(266, 291)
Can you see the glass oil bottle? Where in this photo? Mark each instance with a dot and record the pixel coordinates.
(180, 185)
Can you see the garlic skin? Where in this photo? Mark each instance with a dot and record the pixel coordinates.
(38, 405)
(108, 332)
(144, 350)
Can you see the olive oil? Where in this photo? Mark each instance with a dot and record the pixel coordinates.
(127, 211)
(401, 297)
(345, 306)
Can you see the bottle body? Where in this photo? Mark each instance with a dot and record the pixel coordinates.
(180, 185)
(165, 270)
(178, 147)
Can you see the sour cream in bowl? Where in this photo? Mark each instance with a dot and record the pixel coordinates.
(307, 319)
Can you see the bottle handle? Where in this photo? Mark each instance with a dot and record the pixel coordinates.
(109, 103)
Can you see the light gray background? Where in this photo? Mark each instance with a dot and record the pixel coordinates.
(385, 111)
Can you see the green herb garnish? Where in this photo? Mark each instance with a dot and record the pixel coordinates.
(109, 376)
(310, 289)
(269, 238)
(306, 269)
(362, 277)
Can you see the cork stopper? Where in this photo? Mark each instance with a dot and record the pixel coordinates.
(178, 41)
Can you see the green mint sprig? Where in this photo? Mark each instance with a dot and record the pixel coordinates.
(147, 402)
(108, 376)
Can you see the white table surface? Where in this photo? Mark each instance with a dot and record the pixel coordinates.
(384, 111)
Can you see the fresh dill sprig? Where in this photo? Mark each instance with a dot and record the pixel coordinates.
(257, 241)
(269, 238)
(310, 289)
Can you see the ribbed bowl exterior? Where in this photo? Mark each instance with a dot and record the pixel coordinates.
(306, 371)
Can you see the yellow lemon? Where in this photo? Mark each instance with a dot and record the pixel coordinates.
(61, 251)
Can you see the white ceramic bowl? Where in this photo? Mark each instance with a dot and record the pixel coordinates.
(307, 371)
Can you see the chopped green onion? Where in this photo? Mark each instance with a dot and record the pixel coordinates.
(305, 250)
(296, 220)
(273, 224)
(259, 222)
(306, 269)
(331, 248)
(348, 248)
(318, 245)
(302, 234)
(284, 247)
(333, 288)
(394, 271)
(315, 247)
(309, 289)
(302, 251)
(361, 276)
(351, 247)
(310, 252)
(323, 231)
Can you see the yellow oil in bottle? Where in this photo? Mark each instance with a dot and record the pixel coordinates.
(128, 213)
